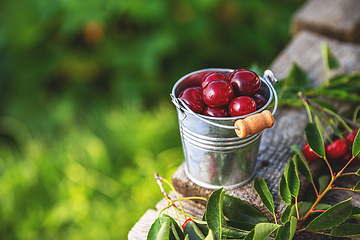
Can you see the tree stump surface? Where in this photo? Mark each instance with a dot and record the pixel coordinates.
(339, 19)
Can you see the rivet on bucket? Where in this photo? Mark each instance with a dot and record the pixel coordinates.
(222, 152)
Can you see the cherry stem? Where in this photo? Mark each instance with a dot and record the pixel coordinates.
(319, 197)
(340, 188)
(170, 202)
(316, 191)
(330, 169)
(349, 173)
(347, 164)
(297, 209)
(319, 211)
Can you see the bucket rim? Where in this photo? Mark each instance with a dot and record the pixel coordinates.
(233, 119)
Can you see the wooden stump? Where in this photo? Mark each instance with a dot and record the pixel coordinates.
(338, 19)
(305, 50)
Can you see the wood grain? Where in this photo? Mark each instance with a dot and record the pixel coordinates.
(305, 51)
(339, 19)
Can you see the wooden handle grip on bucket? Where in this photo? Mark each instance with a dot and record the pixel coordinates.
(254, 123)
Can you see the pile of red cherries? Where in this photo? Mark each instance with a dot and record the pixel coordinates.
(339, 150)
(225, 96)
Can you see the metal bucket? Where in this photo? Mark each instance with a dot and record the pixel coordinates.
(215, 156)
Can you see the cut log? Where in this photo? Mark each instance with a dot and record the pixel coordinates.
(338, 19)
(305, 50)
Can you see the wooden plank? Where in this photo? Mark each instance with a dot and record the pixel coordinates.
(305, 50)
(338, 19)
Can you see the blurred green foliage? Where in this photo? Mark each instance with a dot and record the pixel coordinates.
(85, 114)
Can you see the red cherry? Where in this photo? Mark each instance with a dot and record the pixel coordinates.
(184, 224)
(216, 112)
(218, 93)
(346, 158)
(212, 77)
(337, 149)
(242, 105)
(245, 82)
(350, 137)
(260, 100)
(193, 98)
(309, 153)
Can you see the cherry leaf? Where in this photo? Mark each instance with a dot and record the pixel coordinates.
(285, 193)
(160, 229)
(350, 230)
(263, 230)
(329, 59)
(231, 232)
(239, 211)
(356, 145)
(292, 178)
(302, 166)
(214, 213)
(355, 213)
(287, 231)
(193, 231)
(288, 213)
(210, 235)
(315, 139)
(332, 217)
(262, 190)
(357, 187)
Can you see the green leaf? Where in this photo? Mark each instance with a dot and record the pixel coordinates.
(263, 230)
(210, 235)
(297, 78)
(356, 145)
(250, 236)
(202, 225)
(350, 230)
(160, 229)
(323, 182)
(193, 231)
(231, 232)
(214, 214)
(293, 225)
(338, 94)
(329, 59)
(304, 208)
(287, 231)
(292, 178)
(174, 234)
(241, 225)
(288, 213)
(355, 213)
(314, 139)
(333, 216)
(358, 172)
(357, 187)
(174, 227)
(324, 104)
(284, 191)
(264, 193)
(302, 166)
(237, 210)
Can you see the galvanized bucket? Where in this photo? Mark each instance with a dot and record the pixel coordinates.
(215, 156)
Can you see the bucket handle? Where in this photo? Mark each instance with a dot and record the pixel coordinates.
(249, 123)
